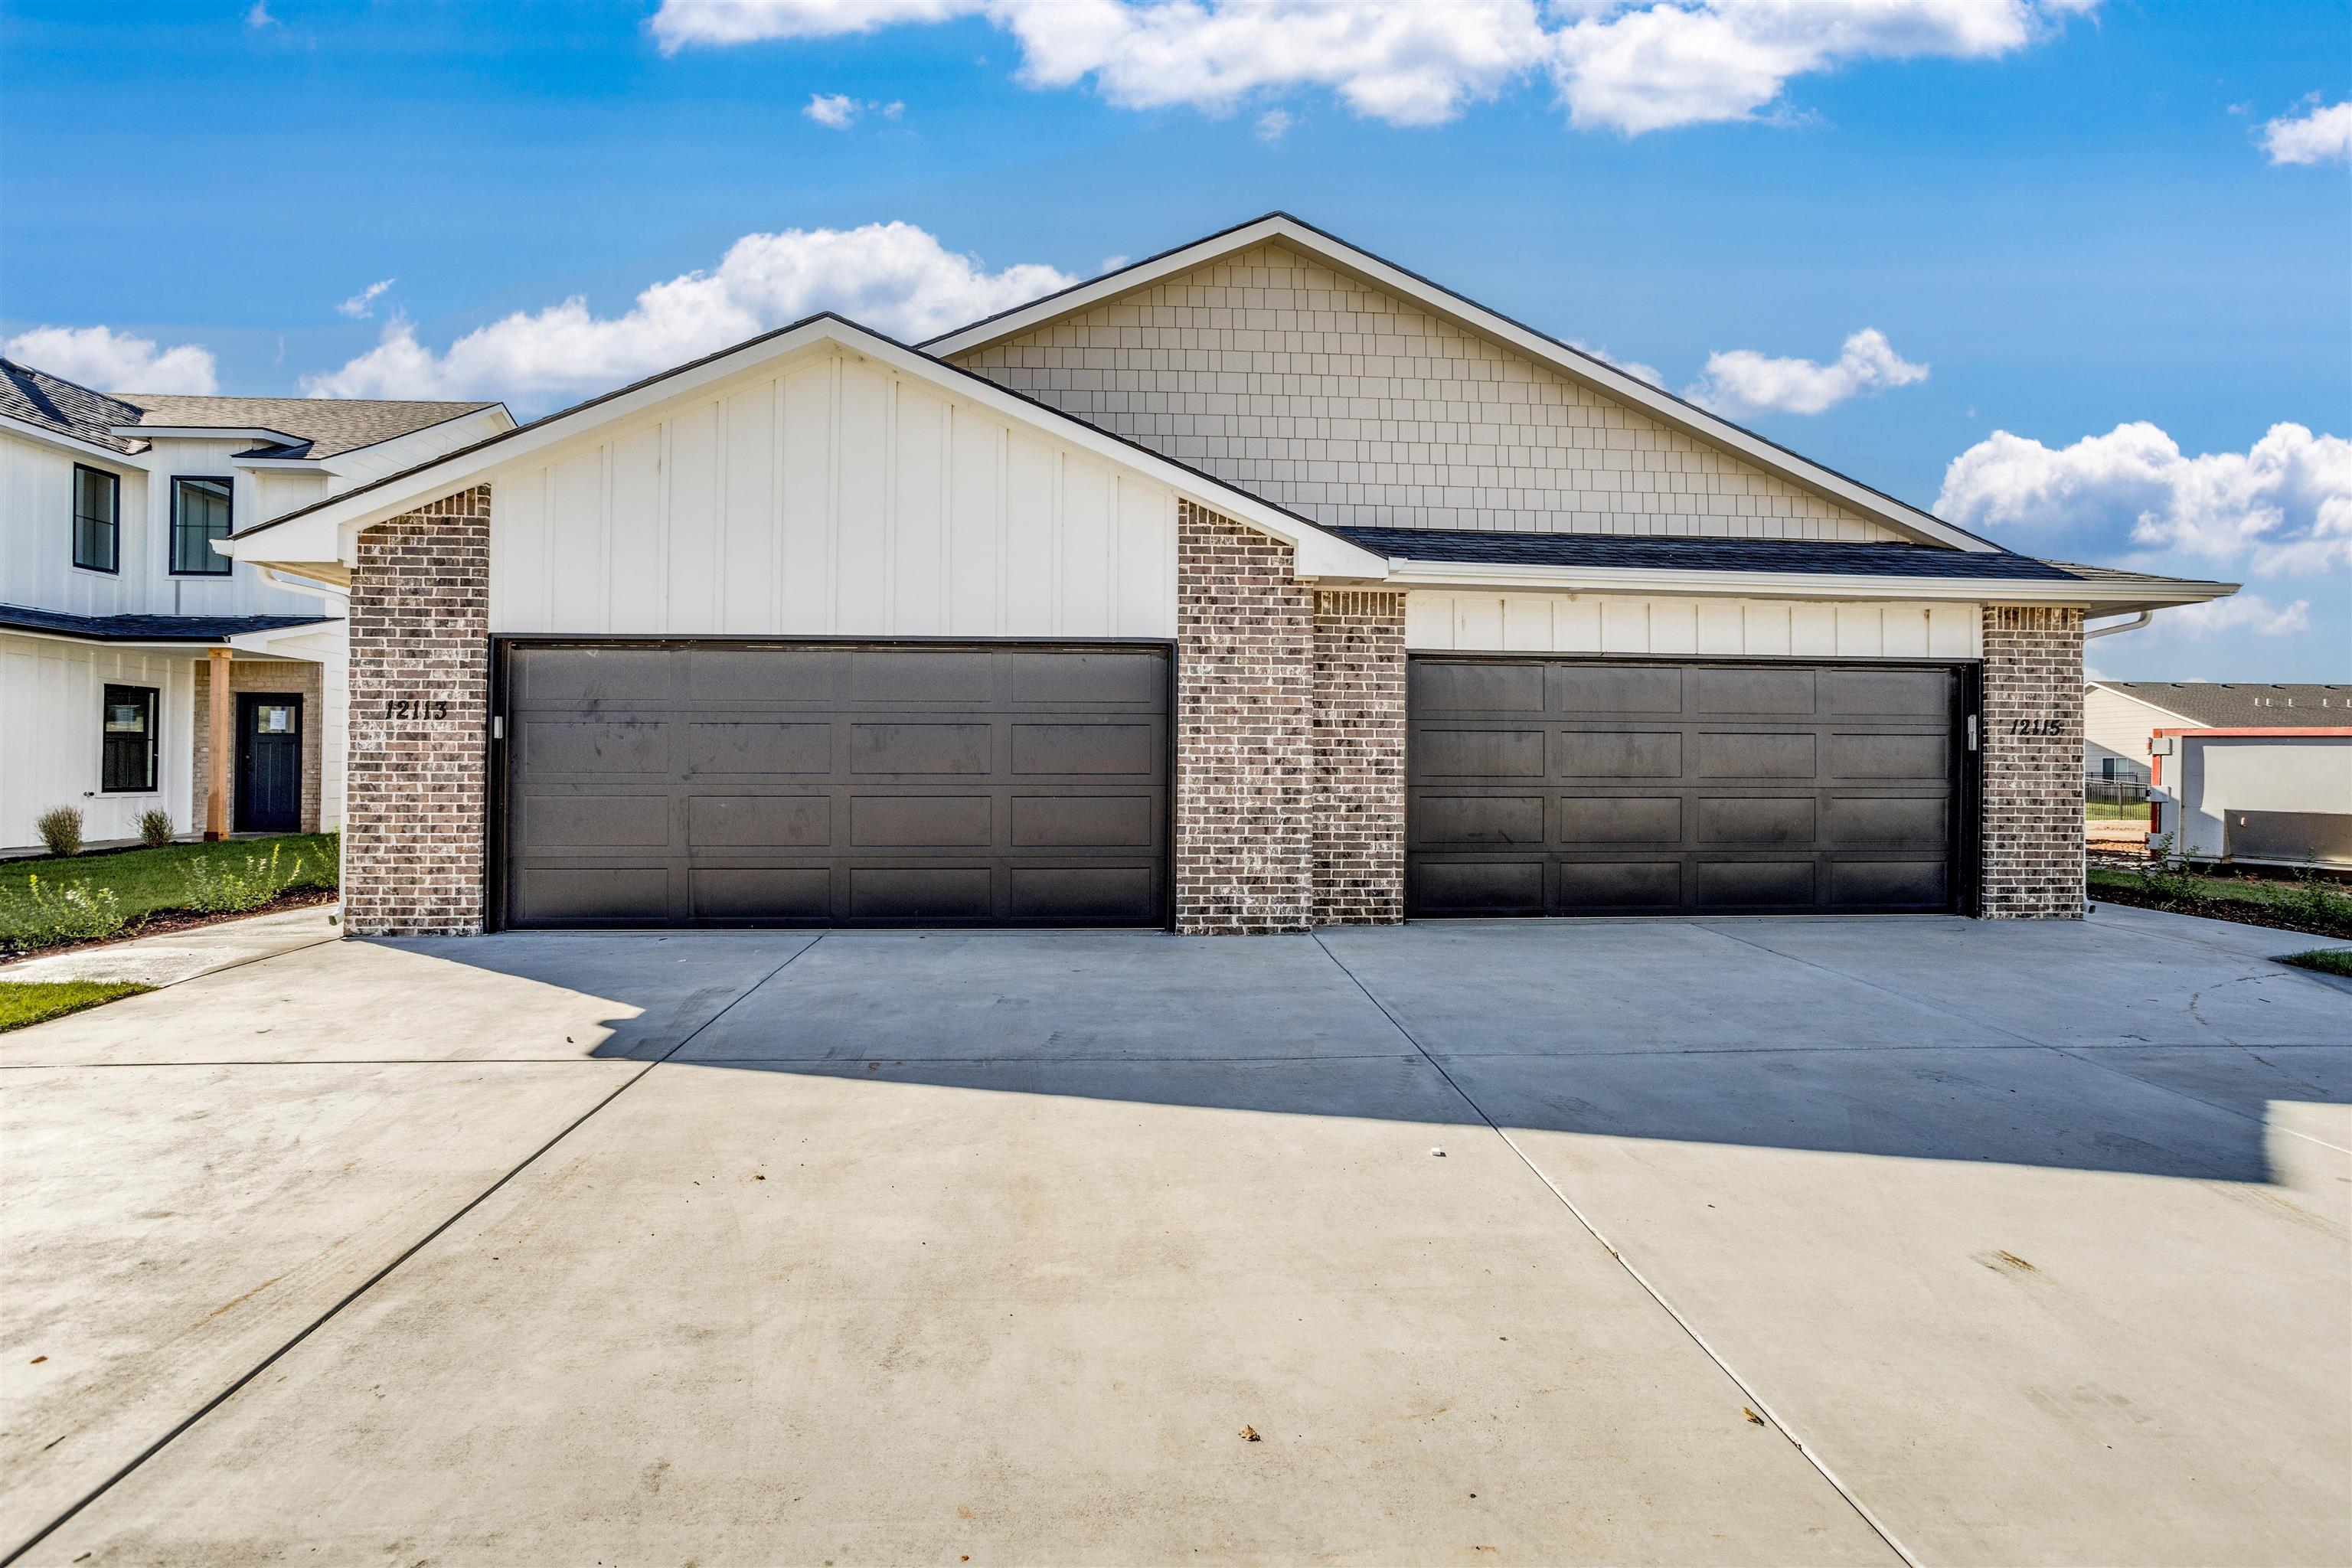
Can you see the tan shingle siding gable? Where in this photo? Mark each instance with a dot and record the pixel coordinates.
(1355, 408)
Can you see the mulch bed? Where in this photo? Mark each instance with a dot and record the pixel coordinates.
(164, 922)
(2239, 911)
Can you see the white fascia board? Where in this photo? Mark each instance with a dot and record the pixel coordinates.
(1474, 318)
(73, 444)
(284, 464)
(208, 433)
(1844, 586)
(282, 642)
(327, 530)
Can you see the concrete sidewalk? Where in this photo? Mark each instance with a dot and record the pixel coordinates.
(176, 956)
(1529, 1242)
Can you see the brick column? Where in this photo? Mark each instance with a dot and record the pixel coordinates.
(2032, 762)
(1245, 743)
(417, 774)
(1358, 758)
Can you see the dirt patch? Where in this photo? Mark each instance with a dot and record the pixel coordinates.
(164, 922)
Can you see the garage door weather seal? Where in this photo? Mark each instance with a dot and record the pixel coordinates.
(1755, 1396)
(372, 1280)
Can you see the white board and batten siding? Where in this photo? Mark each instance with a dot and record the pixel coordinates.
(831, 498)
(1695, 627)
(52, 691)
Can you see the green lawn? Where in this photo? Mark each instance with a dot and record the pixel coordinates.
(150, 879)
(2322, 907)
(2327, 960)
(2108, 811)
(29, 1001)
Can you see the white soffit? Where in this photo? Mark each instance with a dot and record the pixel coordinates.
(1471, 316)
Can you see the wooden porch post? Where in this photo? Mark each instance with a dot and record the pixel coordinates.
(217, 765)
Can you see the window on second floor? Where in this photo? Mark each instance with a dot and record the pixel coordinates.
(127, 761)
(200, 514)
(96, 520)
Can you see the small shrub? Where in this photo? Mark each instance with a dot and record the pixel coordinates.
(46, 915)
(155, 827)
(60, 829)
(218, 890)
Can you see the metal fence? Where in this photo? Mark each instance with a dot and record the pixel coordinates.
(2114, 797)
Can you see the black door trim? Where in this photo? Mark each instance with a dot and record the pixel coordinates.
(499, 729)
(1967, 837)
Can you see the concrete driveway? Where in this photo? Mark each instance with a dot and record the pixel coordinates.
(1760, 1241)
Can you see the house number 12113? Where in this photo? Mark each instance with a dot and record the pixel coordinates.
(420, 710)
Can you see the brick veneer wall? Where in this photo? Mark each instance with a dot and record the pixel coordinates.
(417, 787)
(259, 675)
(1359, 725)
(1245, 742)
(2032, 762)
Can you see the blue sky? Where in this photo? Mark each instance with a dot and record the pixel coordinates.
(2069, 223)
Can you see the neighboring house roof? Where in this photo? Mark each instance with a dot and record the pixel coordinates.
(147, 628)
(1284, 228)
(323, 425)
(68, 408)
(2240, 705)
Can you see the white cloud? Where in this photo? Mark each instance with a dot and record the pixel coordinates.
(893, 277)
(1273, 123)
(362, 305)
(259, 16)
(2283, 506)
(2239, 612)
(1740, 382)
(1629, 65)
(2321, 136)
(116, 362)
(1632, 367)
(1112, 263)
(834, 111)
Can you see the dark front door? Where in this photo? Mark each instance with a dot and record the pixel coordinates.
(742, 785)
(269, 761)
(1557, 786)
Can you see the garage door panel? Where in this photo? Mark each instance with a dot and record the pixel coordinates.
(595, 746)
(580, 895)
(739, 747)
(813, 783)
(1620, 887)
(1690, 787)
(759, 894)
(1124, 894)
(1084, 822)
(757, 821)
(1603, 689)
(1609, 820)
(1468, 687)
(1738, 822)
(1496, 819)
(920, 822)
(1618, 754)
(908, 749)
(1092, 749)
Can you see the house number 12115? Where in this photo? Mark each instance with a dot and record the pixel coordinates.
(2037, 727)
(418, 709)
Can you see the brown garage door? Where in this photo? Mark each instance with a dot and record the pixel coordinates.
(823, 784)
(1547, 786)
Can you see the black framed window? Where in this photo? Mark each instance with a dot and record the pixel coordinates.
(200, 514)
(128, 748)
(97, 519)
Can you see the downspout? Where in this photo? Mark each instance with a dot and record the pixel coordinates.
(2132, 625)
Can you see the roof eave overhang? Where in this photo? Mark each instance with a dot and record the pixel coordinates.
(324, 534)
(2104, 597)
(75, 444)
(1475, 318)
(261, 434)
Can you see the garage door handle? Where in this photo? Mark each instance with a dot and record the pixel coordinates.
(1972, 732)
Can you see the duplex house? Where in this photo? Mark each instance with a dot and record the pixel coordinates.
(2121, 718)
(141, 668)
(1257, 585)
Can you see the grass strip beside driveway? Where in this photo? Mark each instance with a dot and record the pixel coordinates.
(2314, 906)
(24, 1002)
(147, 881)
(2325, 959)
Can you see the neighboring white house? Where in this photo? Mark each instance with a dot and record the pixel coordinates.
(123, 629)
(2119, 716)
(2268, 797)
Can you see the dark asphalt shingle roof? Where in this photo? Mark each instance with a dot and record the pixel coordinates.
(325, 426)
(53, 402)
(147, 628)
(1654, 553)
(2245, 705)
